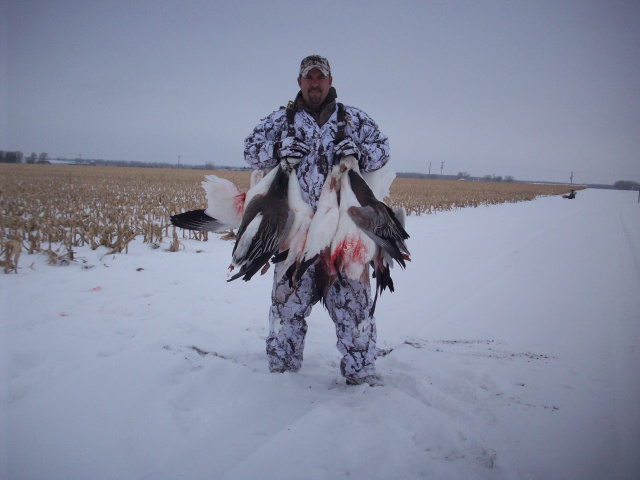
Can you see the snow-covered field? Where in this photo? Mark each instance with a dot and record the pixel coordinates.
(510, 350)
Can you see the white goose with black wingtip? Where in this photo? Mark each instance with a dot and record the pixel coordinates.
(351, 248)
(323, 226)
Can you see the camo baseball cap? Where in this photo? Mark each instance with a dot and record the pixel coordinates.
(314, 61)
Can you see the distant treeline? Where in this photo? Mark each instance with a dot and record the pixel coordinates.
(43, 158)
(459, 176)
(11, 157)
(626, 185)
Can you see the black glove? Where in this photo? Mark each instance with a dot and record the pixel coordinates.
(291, 147)
(345, 148)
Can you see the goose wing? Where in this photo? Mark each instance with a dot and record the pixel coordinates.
(261, 240)
(378, 220)
(225, 202)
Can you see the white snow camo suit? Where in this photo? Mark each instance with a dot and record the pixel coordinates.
(348, 302)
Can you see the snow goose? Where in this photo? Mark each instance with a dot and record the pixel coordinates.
(323, 226)
(266, 222)
(292, 246)
(351, 248)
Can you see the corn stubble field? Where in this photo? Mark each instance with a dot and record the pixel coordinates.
(56, 208)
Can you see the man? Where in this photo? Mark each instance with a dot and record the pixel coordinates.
(306, 131)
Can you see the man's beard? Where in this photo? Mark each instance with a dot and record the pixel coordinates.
(315, 96)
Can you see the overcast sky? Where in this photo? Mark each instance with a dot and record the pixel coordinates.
(530, 89)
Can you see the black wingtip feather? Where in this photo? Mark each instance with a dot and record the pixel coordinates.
(196, 220)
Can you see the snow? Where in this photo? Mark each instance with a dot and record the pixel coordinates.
(510, 350)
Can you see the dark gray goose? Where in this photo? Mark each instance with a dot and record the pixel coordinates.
(378, 221)
(385, 227)
(266, 222)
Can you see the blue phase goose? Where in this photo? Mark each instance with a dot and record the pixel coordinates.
(385, 227)
(266, 222)
(378, 221)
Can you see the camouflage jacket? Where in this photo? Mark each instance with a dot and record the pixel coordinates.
(314, 168)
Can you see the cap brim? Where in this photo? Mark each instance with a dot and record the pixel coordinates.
(304, 72)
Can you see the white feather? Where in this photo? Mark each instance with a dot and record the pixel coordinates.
(245, 241)
(325, 221)
(225, 202)
(303, 213)
(380, 181)
(256, 176)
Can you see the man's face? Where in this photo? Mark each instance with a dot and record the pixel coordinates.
(315, 87)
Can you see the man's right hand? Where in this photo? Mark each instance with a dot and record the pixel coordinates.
(291, 147)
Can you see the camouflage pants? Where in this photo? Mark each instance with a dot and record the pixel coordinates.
(348, 303)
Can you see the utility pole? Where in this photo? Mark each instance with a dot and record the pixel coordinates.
(441, 167)
(178, 161)
(429, 168)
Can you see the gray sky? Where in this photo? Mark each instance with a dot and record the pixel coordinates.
(533, 89)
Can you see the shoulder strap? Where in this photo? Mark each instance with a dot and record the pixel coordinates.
(342, 123)
(291, 113)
